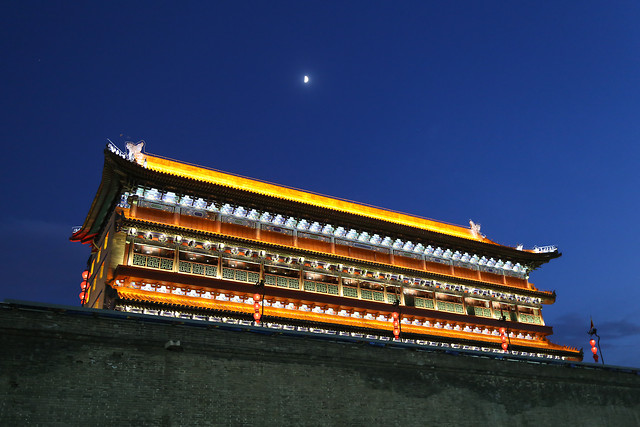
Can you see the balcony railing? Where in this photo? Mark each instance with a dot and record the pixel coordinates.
(451, 307)
(282, 281)
(530, 318)
(197, 268)
(320, 287)
(424, 303)
(158, 263)
(187, 267)
(240, 275)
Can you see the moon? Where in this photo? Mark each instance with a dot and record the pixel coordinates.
(306, 79)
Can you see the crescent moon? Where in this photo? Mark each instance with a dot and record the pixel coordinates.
(306, 79)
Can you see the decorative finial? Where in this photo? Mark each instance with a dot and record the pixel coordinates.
(135, 152)
(475, 229)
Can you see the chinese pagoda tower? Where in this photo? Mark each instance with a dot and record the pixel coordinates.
(173, 239)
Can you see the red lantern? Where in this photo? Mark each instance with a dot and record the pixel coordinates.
(81, 295)
(85, 274)
(256, 297)
(396, 332)
(594, 350)
(84, 285)
(256, 306)
(256, 316)
(395, 323)
(503, 337)
(593, 343)
(395, 315)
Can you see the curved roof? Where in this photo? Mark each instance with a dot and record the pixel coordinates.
(119, 173)
(199, 173)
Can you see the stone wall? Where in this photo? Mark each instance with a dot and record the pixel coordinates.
(87, 367)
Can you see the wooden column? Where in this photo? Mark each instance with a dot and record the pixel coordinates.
(176, 215)
(133, 203)
(218, 223)
(176, 258)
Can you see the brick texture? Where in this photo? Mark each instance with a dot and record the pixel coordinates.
(66, 368)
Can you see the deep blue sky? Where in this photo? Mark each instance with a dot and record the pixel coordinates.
(522, 117)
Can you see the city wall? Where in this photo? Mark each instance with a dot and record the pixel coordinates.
(66, 366)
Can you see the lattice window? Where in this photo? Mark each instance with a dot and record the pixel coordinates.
(529, 318)
(366, 294)
(458, 308)
(294, 283)
(153, 262)
(140, 260)
(166, 264)
(309, 286)
(228, 273)
(332, 289)
(270, 280)
(419, 302)
(391, 298)
(378, 296)
(241, 276)
(210, 270)
(446, 306)
(282, 282)
(350, 292)
(253, 277)
(428, 303)
(482, 311)
(184, 267)
(321, 287)
(198, 269)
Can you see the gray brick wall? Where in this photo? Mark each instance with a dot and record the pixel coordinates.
(63, 368)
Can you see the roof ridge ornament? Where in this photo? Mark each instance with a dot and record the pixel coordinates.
(134, 153)
(545, 249)
(475, 230)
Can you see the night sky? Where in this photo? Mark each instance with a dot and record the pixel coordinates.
(522, 117)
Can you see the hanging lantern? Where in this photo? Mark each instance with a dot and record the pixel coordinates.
(594, 350)
(503, 338)
(84, 285)
(81, 295)
(256, 308)
(85, 274)
(396, 324)
(593, 343)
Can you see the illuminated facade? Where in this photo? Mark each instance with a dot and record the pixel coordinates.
(174, 239)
